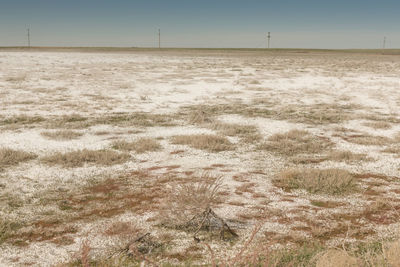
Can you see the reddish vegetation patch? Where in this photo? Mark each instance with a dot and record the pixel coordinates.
(171, 167)
(105, 187)
(177, 152)
(218, 165)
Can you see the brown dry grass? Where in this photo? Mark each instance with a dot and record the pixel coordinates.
(80, 157)
(378, 125)
(336, 258)
(316, 114)
(392, 150)
(212, 143)
(139, 146)
(247, 133)
(21, 120)
(62, 135)
(10, 157)
(326, 181)
(296, 142)
(368, 140)
(347, 156)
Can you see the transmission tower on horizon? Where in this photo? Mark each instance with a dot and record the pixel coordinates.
(269, 39)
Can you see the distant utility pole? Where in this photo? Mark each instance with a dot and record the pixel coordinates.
(159, 38)
(29, 38)
(269, 39)
(384, 44)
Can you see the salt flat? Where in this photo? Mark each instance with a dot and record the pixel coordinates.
(117, 140)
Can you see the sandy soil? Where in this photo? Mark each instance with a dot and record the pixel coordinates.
(363, 89)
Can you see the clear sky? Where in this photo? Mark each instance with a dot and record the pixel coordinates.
(202, 23)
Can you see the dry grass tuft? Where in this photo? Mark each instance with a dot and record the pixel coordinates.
(368, 140)
(347, 156)
(62, 135)
(80, 157)
(21, 120)
(337, 258)
(17, 78)
(296, 142)
(136, 119)
(139, 146)
(10, 157)
(212, 143)
(248, 133)
(327, 181)
(7, 228)
(72, 121)
(392, 150)
(378, 125)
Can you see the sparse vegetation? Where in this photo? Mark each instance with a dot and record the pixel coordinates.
(7, 228)
(212, 143)
(62, 135)
(326, 181)
(10, 157)
(379, 125)
(347, 156)
(309, 114)
(296, 142)
(368, 140)
(21, 120)
(247, 133)
(316, 198)
(139, 146)
(80, 157)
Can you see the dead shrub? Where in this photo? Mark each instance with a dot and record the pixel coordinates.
(10, 157)
(193, 198)
(80, 157)
(296, 142)
(139, 146)
(62, 135)
(326, 181)
(212, 143)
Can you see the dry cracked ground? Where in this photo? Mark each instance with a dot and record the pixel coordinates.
(199, 158)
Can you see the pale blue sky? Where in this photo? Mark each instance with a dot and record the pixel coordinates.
(202, 23)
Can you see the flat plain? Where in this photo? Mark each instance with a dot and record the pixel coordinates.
(185, 157)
